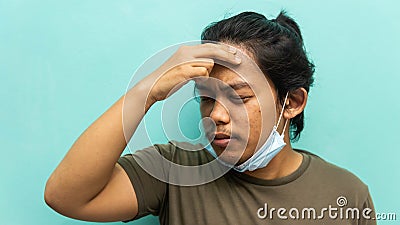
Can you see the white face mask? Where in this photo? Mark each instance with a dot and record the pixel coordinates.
(260, 159)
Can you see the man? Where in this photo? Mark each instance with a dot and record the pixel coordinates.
(266, 180)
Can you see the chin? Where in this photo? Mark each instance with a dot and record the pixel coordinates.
(231, 156)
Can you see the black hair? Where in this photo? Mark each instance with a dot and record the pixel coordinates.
(277, 47)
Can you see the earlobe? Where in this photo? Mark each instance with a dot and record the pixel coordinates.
(287, 114)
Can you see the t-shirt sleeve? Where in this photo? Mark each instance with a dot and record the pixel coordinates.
(368, 216)
(150, 191)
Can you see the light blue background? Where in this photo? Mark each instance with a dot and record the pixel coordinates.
(63, 63)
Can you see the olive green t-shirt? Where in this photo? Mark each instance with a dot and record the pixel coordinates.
(318, 192)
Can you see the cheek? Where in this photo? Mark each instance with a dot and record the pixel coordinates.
(255, 124)
(254, 115)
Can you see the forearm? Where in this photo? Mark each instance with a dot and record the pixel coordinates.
(89, 163)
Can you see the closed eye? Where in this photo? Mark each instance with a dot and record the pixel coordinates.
(241, 98)
(205, 99)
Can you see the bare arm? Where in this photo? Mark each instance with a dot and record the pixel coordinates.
(88, 184)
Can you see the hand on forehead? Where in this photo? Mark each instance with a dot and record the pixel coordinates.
(245, 77)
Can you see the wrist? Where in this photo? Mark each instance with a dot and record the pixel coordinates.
(142, 92)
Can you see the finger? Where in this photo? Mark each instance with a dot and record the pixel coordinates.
(198, 71)
(217, 52)
(207, 63)
(222, 46)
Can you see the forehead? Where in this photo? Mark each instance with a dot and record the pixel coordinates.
(225, 74)
(224, 78)
(249, 71)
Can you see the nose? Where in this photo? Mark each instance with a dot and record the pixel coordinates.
(219, 113)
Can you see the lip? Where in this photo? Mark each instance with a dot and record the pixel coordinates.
(222, 140)
(221, 136)
(222, 143)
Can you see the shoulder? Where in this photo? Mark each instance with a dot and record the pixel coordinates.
(331, 176)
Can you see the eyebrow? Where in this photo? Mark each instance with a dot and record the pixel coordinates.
(234, 86)
(237, 85)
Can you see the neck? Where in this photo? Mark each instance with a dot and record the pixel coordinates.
(283, 164)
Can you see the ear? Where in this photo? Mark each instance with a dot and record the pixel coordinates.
(295, 103)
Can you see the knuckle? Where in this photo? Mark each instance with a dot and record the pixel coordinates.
(224, 54)
(182, 49)
(212, 47)
(209, 45)
(203, 70)
(179, 68)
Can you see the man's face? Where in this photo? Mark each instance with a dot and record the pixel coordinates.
(232, 105)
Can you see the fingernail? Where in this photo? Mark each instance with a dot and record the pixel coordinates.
(232, 49)
(237, 59)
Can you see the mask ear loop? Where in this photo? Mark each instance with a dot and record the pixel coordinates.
(280, 116)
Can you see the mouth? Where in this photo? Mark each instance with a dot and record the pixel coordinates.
(222, 140)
